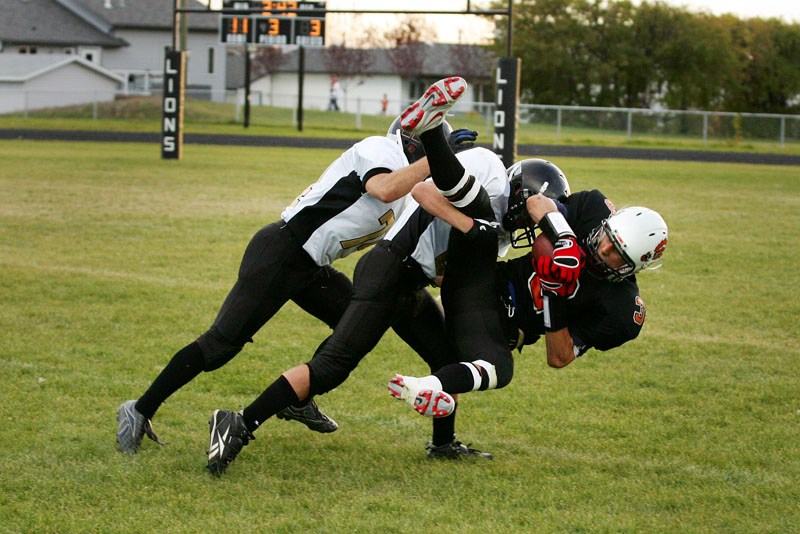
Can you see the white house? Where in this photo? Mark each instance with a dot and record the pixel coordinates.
(363, 93)
(124, 36)
(53, 80)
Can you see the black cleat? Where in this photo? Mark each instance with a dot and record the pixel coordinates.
(455, 450)
(228, 435)
(311, 416)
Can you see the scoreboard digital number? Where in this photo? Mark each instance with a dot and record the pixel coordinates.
(236, 30)
(264, 22)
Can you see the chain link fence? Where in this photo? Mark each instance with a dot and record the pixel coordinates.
(632, 122)
(536, 121)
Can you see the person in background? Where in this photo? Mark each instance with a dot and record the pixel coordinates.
(336, 88)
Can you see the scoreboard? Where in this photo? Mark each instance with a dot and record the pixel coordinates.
(264, 22)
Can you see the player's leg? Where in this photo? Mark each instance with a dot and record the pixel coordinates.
(260, 290)
(420, 323)
(424, 118)
(230, 431)
(326, 298)
(473, 328)
(377, 281)
(368, 316)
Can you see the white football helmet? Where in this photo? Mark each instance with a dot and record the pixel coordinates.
(638, 234)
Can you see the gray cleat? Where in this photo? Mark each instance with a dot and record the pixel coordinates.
(132, 428)
(311, 416)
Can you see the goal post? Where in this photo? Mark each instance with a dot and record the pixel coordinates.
(507, 75)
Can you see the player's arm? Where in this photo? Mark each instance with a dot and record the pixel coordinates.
(432, 201)
(390, 186)
(560, 348)
(558, 275)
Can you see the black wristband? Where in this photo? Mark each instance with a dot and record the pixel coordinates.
(555, 226)
(555, 313)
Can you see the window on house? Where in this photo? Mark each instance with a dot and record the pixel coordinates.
(211, 61)
(88, 56)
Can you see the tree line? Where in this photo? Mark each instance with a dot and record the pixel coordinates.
(616, 54)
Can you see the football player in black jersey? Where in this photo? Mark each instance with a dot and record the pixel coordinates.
(352, 205)
(582, 296)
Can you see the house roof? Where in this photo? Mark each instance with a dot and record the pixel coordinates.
(438, 60)
(24, 67)
(46, 22)
(146, 14)
(90, 22)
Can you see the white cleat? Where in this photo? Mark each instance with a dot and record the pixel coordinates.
(425, 401)
(428, 112)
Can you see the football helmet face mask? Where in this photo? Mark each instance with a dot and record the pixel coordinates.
(529, 177)
(639, 236)
(411, 145)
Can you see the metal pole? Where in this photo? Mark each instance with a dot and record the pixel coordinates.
(183, 27)
(558, 123)
(630, 123)
(246, 86)
(508, 27)
(705, 128)
(301, 67)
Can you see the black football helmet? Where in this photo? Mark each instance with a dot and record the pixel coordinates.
(410, 143)
(529, 177)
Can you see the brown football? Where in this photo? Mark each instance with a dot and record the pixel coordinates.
(542, 246)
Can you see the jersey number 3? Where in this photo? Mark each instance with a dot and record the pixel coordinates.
(638, 315)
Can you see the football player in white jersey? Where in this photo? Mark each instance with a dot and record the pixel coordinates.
(389, 283)
(352, 205)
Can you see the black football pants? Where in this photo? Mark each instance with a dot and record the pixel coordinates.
(385, 295)
(274, 269)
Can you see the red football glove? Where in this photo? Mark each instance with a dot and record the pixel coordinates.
(559, 274)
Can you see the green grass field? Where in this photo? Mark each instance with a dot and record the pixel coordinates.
(112, 259)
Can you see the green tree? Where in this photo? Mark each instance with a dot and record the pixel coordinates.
(612, 53)
(551, 43)
(697, 62)
(769, 79)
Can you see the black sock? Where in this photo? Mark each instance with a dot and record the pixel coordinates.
(455, 378)
(275, 398)
(444, 429)
(182, 368)
(446, 170)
